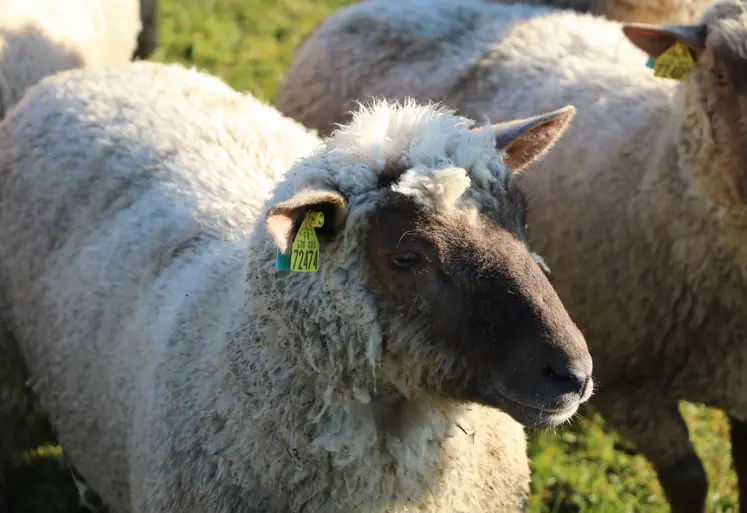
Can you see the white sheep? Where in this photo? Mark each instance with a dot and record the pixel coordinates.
(639, 210)
(41, 37)
(184, 373)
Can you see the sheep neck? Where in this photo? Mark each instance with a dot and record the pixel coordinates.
(336, 434)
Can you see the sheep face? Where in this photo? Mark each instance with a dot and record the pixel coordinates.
(718, 81)
(465, 311)
(473, 311)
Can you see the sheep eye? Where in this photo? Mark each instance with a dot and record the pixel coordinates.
(720, 77)
(406, 260)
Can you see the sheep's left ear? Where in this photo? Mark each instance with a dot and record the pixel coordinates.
(284, 219)
(526, 140)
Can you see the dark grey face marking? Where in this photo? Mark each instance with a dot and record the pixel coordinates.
(496, 331)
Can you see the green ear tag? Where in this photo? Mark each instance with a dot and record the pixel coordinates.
(674, 63)
(282, 261)
(651, 63)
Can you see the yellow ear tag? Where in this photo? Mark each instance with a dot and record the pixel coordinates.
(676, 62)
(305, 248)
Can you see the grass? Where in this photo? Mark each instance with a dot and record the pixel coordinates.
(584, 468)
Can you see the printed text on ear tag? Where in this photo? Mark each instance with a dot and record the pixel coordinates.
(305, 248)
(676, 62)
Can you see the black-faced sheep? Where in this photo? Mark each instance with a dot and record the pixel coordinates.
(649, 183)
(183, 372)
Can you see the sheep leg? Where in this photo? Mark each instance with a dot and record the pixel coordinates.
(739, 455)
(147, 39)
(3, 490)
(661, 434)
(88, 497)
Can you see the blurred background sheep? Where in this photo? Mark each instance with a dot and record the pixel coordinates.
(582, 468)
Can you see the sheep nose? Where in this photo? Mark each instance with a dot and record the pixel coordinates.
(566, 379)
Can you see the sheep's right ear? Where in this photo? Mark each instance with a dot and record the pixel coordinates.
(525, 140)
(283, 220)
(656, 39)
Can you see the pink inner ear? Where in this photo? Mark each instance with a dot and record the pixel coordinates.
(534, 142)
(280, 227)
(545, 131)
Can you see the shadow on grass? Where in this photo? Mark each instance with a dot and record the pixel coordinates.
(38, 483)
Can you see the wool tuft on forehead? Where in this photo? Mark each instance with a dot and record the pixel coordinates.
(435, 154)
(439, 188)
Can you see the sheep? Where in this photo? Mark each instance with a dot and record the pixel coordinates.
(147, 39)
(41, 37)
(144, 212)
(649, 184)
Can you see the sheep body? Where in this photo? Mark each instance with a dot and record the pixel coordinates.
(169, 221)
(647, 256)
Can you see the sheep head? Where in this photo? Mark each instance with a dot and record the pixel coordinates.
(718, 45)
(466, 312)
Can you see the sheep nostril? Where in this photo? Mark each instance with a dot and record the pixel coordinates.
(566, 380)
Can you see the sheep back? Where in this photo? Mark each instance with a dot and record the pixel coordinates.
(457, 53)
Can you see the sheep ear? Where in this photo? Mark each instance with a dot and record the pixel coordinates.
(284, 219)
(526, 140)
(656, 39)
